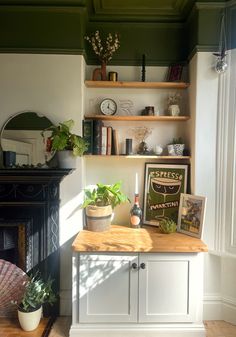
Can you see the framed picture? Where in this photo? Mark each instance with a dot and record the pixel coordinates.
(163, 185)
(174, 73)
(191, 215)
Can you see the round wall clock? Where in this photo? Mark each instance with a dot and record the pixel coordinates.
(108, 107)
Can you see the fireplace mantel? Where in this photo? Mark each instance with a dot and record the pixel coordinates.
(30, 199)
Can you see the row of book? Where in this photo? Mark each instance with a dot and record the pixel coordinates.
(101, 139)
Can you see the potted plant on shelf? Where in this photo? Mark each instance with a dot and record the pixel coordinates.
(99, 204)
(173, 104)
(167, 225)
(67, 144)
(176, 147)
(37, 292)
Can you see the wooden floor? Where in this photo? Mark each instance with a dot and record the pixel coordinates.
(62, 325)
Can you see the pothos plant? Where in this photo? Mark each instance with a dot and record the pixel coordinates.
(104, 195)
(63, 139)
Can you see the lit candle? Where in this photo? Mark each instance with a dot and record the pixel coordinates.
(136, 183)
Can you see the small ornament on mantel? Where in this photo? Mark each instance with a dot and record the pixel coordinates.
(104, 51)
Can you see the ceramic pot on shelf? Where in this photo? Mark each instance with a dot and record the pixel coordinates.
(174, 110)
(29, 321)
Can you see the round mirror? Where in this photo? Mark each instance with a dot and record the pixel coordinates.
(22, 142)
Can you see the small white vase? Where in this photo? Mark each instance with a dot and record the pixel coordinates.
(174, 110)
(29, 321)
(66, 159)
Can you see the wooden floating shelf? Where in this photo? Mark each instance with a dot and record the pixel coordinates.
(139, 118)
(139, 157)
(137, 85)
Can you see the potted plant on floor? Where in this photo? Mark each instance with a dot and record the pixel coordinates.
(99, 204)
(67, 144)
(176, 147)
(37, 292)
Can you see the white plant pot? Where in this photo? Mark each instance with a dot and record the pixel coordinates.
(29, 321)
(175, 149)
(66, 159)
(174, 110)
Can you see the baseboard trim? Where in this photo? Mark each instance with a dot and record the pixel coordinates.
(229, 309)
(137, 330)
(212, 307)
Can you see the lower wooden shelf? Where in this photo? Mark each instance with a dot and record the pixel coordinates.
(140, 156)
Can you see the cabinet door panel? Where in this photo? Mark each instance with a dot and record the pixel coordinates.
(166, 288)
(108, 288)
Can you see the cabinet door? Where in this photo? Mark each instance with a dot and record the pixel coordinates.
(108, 287)
(168, 287)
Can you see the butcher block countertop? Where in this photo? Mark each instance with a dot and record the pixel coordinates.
(127, 240)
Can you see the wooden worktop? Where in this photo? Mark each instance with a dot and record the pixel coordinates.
(126, 239)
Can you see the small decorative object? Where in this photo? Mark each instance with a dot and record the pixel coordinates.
(9, 158)
(174, 73)
(149, 111)
(128, 146)
(163, 186)
(167, 226)
(104, 52)
(173, 104)
(37, 293)
(221, 61)
(99, 203)
(140, 134)
(143, 68)
(191, 215)
(176, 147)
(158, 150)
(136, 211)
(108, 107)
(113, 76)
(67, 144)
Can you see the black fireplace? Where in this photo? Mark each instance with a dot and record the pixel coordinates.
(29, 221)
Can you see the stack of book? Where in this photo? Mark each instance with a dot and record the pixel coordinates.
(101, 139)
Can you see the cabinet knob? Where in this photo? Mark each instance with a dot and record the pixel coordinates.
(134, 265)
(142, 265)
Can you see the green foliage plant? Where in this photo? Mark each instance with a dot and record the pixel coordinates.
(104, 195)
(167, 225)
(177, 141)
(63, 139)
(37, 292)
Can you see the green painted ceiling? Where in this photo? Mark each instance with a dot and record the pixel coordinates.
(168, 31)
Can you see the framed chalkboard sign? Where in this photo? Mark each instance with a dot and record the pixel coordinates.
(162, 188)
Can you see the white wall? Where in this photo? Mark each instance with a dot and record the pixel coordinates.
(51, 85)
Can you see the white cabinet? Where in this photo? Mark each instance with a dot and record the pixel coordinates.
(157, 294)
(107, 288)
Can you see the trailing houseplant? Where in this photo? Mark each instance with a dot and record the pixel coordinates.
(100, 202)
(66, 143)
(37, 292)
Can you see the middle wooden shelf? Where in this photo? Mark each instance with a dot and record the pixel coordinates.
(139, 118)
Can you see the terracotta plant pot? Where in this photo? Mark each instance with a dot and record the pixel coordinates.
(98, 218)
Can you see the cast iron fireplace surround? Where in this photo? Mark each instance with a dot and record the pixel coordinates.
(29, 206)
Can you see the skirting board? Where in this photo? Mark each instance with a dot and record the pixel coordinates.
(212, 307)
(137, 330)
(229, 310)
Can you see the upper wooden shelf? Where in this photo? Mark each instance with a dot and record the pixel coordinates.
(138, 85)
(138, 118)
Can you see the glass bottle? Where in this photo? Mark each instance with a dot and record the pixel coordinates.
(136, 213)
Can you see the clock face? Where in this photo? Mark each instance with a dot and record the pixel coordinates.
(108, 107)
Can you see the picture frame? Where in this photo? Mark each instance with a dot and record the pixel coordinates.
(163, 184)
(174, 73)
(191, 215)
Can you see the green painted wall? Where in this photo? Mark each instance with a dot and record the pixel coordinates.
(61, 29)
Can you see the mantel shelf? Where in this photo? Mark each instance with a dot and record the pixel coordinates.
(139, 157)
(139, 118)
(137, 85)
